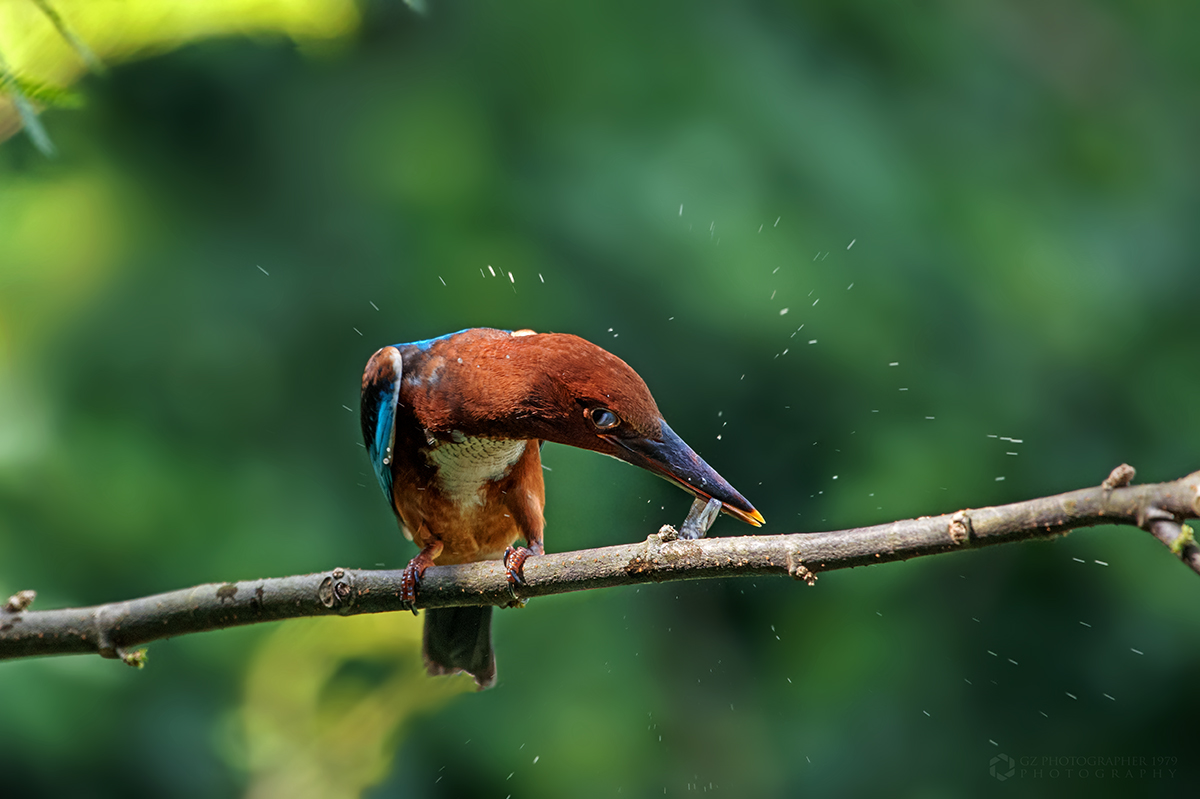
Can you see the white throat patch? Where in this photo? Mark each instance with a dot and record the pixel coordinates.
(465, 465)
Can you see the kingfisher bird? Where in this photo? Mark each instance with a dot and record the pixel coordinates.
(454, 427)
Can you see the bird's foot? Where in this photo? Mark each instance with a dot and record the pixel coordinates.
(514, 565)
(410, 578)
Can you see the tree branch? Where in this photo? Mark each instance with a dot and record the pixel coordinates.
(110, 630)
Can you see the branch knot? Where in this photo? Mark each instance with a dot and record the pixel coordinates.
(798, 571)
(960, 527)
(19, 601)
(337, 590)
(1119, 477)
(664, 534)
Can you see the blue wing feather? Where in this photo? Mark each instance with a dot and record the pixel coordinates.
(380, 398)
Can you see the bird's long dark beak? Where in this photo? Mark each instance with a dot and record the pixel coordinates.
(673, 460)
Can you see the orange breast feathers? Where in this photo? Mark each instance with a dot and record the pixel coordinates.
(481, 495)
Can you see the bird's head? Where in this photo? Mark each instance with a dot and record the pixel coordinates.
(570, 391)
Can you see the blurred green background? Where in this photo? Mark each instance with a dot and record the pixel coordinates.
(855, 250)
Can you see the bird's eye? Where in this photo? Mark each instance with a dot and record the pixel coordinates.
(604, 419)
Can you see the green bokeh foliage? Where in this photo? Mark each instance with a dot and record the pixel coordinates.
(186, 304)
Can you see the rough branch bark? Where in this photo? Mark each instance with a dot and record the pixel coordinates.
(110, 630)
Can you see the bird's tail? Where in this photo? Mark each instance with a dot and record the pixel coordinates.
(460, 639)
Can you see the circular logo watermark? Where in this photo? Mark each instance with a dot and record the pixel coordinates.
(1002, 767)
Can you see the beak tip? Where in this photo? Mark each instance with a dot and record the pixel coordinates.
(751, 517)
